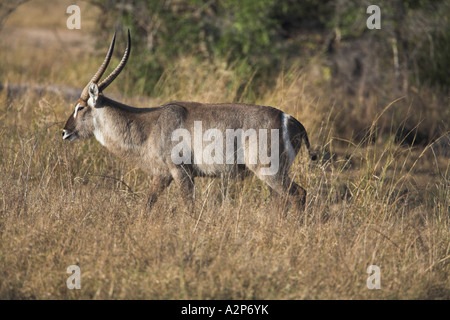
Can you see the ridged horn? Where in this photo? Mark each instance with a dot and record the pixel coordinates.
(106, 82)
(101, 70)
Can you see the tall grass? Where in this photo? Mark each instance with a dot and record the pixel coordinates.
(64, 204)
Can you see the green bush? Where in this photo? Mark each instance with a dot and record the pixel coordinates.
(262, 36)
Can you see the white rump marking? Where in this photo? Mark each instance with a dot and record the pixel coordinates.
(286, 139)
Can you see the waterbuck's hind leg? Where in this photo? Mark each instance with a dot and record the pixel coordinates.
(159, 184)
(297, 195)
(285, 187)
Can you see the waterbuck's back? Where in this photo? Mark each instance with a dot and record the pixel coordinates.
(230, 115)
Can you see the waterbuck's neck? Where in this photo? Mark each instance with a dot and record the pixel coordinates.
(122, 129)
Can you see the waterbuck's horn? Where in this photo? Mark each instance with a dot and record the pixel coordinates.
(106, 82)
(101, 70)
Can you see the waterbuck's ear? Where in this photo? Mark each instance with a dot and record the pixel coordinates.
(93, 93)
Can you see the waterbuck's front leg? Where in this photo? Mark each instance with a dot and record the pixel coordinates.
(185, 181)
(159, 184)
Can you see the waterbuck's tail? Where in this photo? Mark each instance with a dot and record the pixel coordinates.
(294, 133)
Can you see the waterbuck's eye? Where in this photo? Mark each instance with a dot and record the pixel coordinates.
(77, 108)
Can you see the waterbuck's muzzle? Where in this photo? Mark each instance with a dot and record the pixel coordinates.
(67, 135)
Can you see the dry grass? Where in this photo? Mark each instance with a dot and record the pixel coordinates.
(74, 203)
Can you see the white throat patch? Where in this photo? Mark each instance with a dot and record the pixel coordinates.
(98, 133)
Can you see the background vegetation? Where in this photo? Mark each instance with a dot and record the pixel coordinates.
(374, 102)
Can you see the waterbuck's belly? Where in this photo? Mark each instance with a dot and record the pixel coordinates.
(220, 170)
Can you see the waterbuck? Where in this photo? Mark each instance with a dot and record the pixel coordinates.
(180, 140)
